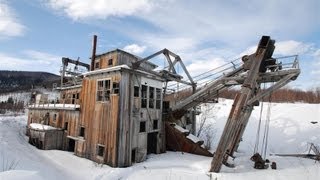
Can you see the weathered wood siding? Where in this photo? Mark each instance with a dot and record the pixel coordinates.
(104, 60)
(100, 119)
(147, 115)
(70, 96)
(68, 120)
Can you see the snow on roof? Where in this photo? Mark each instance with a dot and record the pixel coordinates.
(181, 129)
(193, 138)
(115, 68)
(54, 106)
(41, 126)
(69, 87)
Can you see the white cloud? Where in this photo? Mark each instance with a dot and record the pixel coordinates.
(286, 48)
(9, 24)
(31, 60)
(135, 49)
(292, 47)
(99, 9)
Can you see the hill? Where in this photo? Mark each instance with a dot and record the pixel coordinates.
(11, 81)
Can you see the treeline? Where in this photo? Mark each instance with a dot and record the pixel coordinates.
(11, 105)
(285, 95)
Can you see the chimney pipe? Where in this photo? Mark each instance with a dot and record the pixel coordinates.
(94, 47)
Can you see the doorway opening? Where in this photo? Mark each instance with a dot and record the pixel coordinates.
(71, 145)
(152, 143)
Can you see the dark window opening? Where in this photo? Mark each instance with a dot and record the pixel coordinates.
(115, 88)
(158, 98)
(155, 124)
(151, 103)
(142, 126)
(110, 62)
(151, 97)
(144, 91)
(133, 155)
(63, 96)
(144, 96)
(82, 131)
(136, 91)
(54, 117)
(100, 150)
(73, 98)
(66, 126)
(143, 103)
(77, 96)
(97, 65)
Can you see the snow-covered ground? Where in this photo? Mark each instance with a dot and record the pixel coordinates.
(290, 131)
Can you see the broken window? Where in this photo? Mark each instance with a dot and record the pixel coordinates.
(73, 98)
(136, 91)
(155, 124)
(97, 65)
(151, 97)
(158, 98)
(100, 150)
(110, 62)
(144, 96)
(115, 88)
(103, 90)
(82, 131)
(142, 126)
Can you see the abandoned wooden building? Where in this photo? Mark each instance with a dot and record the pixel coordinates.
(119, 111)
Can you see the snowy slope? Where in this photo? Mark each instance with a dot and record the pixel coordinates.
(290, 130)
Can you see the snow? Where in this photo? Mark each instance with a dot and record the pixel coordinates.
(193, 138)
(54, 106)
(290, 131)
(41, 126)
(181, 129)
(114, 68)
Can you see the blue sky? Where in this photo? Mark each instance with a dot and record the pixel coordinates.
(35, 34)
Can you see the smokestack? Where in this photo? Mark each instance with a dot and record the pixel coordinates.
(94, 47)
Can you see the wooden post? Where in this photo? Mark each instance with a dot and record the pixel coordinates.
(239, 108)
(94, 48)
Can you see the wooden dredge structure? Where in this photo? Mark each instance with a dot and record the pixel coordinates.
(119, 111)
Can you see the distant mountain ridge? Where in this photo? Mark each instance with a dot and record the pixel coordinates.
(11, 81)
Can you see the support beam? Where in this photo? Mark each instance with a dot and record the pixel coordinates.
(264, 51)
(268, 91)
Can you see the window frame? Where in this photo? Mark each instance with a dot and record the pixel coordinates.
(82, 131)
(103, 90)
(110, 62)
(144, 96)
(158, 98)
(100, 150)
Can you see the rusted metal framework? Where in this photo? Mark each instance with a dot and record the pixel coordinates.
(75, 76)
